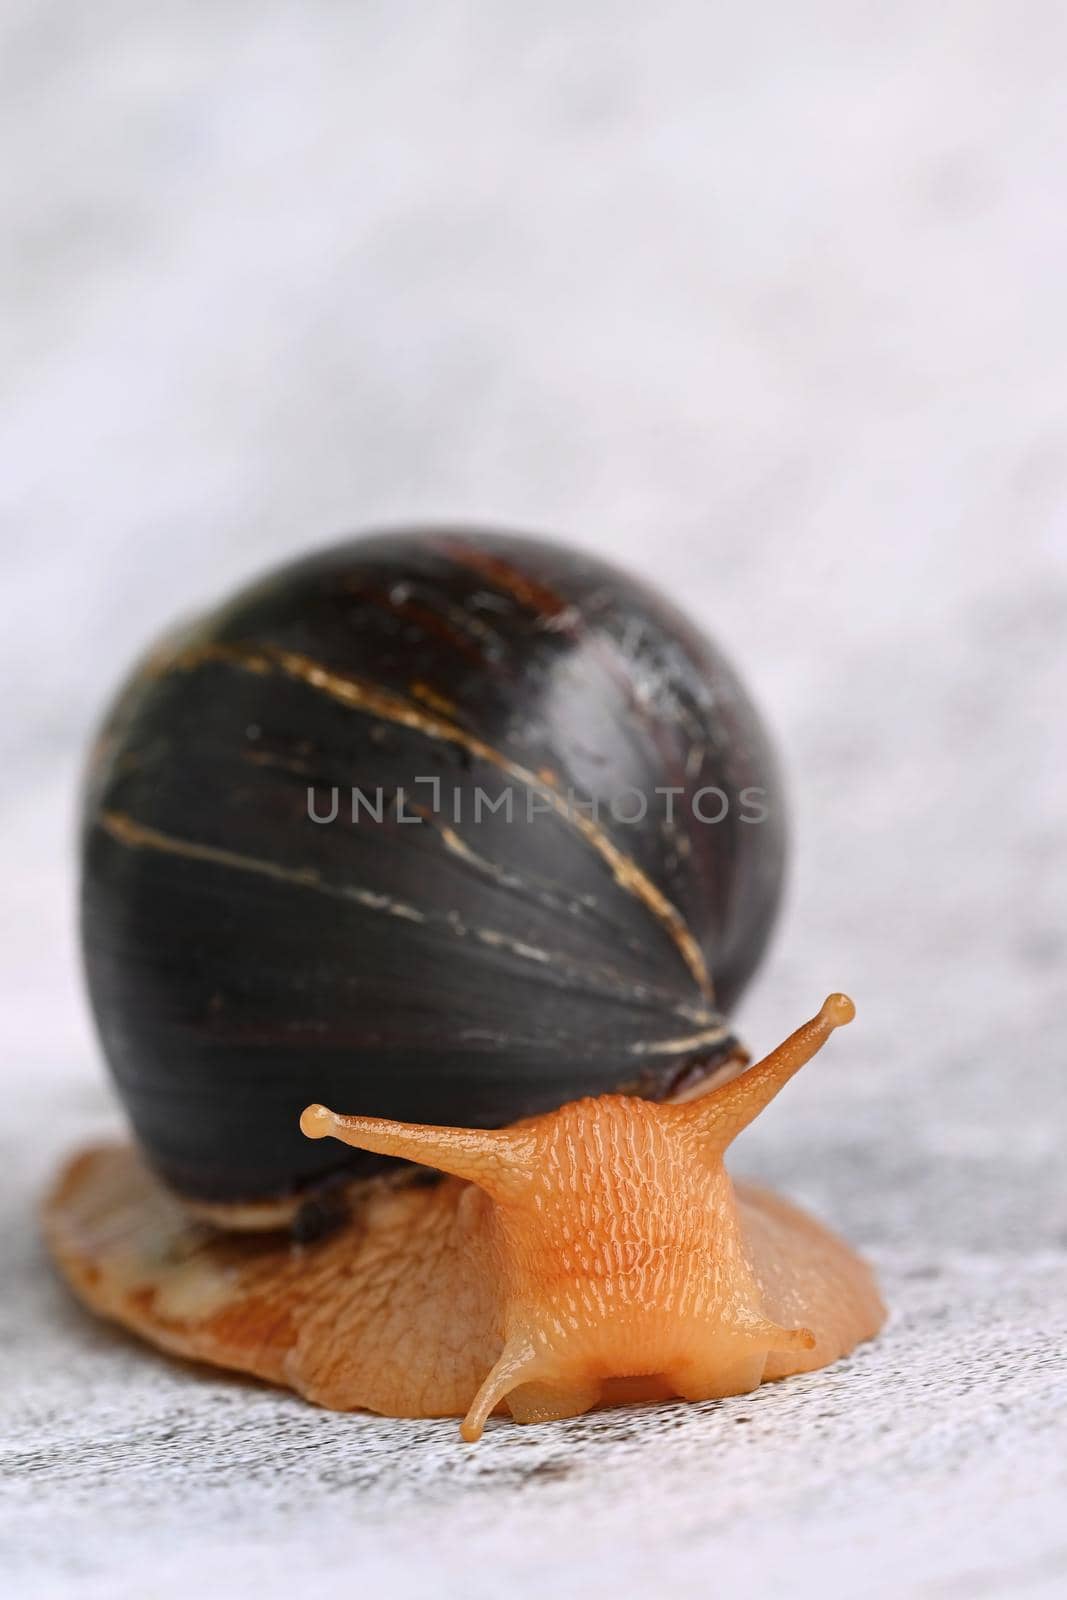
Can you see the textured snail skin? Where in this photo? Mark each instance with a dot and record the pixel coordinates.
(596, 1253)
(243, 959)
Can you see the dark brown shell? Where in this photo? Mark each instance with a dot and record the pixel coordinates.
(244, 959)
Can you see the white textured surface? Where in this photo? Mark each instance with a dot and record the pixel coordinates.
(768, 302)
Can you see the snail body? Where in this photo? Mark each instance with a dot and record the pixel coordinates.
(496, 972)
(594, 1253)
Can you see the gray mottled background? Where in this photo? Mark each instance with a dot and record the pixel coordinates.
(768, 302)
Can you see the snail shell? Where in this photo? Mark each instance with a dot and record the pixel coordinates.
(436, 960)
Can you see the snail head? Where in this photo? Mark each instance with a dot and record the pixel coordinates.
(620, 1250)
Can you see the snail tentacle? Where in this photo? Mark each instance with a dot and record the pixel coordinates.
(495, 1159)
(517, 1365)
(724, 1113)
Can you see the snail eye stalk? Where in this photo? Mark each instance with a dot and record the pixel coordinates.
(497, 1160)
(727, 1111)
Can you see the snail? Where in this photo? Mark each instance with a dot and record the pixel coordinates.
(478, 839)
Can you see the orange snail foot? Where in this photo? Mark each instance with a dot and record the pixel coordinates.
(488, 1291)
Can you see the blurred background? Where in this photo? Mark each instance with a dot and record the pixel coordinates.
(765, 302)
